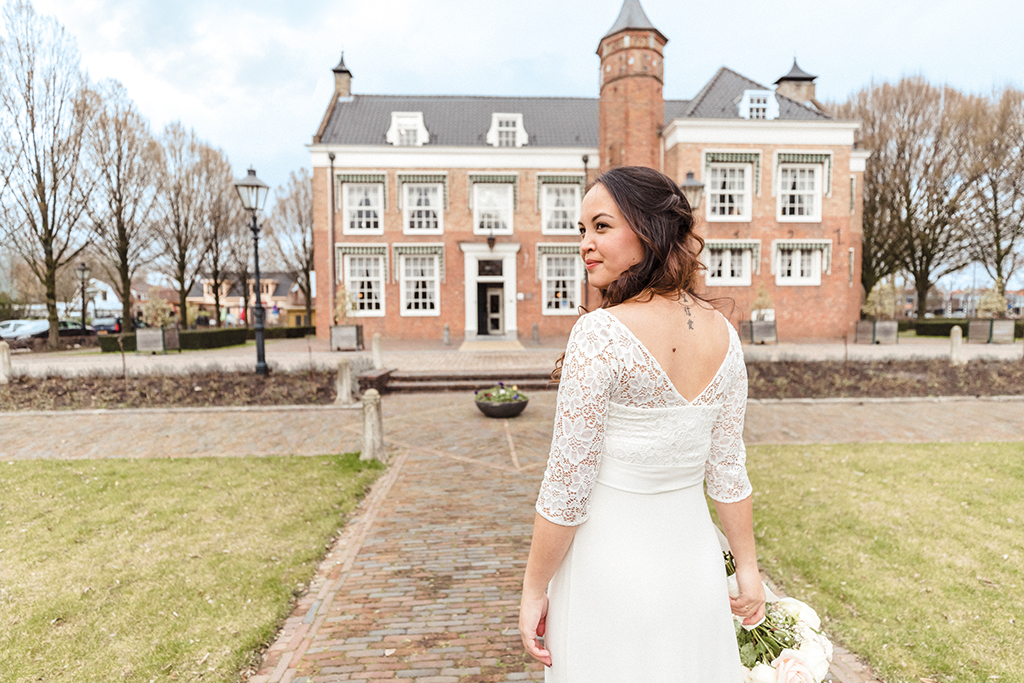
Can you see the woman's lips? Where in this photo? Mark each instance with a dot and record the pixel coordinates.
(591, 264)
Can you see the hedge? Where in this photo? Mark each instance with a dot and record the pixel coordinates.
(189, 339)
(941, 327)
(284, 332)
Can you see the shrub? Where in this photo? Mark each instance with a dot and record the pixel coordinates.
(189, 339)
(284, 332)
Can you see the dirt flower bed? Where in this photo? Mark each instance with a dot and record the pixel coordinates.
(780, 379)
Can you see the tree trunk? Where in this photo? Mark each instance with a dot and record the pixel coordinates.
(51, 302)
(922, 286)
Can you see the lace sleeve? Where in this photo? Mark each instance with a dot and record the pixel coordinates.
(589, 371)
(725, 472)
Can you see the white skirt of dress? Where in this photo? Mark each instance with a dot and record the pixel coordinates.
(641, 594)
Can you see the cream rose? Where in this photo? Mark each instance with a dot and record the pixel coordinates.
(762, 673)
(800, 611)
(791, 667)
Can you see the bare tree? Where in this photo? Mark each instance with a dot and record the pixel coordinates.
(880, 244)
(45, 112)
(994, 216)
(290, 232)
(127, 161)
(180, 227)
(224, 219)
(240, 258)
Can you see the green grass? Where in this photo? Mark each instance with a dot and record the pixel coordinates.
(139, 570)
(912, 554)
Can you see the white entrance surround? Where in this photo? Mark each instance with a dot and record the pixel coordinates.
(473, 253)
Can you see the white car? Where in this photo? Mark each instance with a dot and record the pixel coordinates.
(8, 328)
(30, 328)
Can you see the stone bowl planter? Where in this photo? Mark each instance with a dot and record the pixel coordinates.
(501, 409)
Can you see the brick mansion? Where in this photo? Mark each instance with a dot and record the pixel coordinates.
(461, 211)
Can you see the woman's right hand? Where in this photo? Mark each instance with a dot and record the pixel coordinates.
(533, 612)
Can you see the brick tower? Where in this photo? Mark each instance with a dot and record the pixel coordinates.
(632, 107)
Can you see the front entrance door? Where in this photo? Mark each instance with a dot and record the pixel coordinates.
(494, 297)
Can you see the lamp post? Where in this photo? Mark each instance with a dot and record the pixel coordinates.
(83, 273)
(693, 190)
(253, 193)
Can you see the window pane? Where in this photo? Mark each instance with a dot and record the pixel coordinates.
(364, 205)
(493, 204)
(365, 276)
(560, 208)
(736, 261)
(560, 283)
(423, 203)
(727, 189)
(420, 275)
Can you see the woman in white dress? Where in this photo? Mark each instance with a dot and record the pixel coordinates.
(625, 580)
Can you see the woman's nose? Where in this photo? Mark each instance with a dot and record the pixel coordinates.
(586, 243)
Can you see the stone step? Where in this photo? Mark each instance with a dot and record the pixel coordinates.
(508, 377)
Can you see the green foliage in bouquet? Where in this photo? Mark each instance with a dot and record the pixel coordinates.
(500, 394)
(766, 642)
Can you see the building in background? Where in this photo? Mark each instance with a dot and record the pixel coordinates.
(282, 299)
(461, 211)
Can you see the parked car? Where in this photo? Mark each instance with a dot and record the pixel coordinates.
(106, 325)
(9, 328)
(40, 329)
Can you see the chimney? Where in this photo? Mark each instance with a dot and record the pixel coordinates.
(342, 79)
(797, 85)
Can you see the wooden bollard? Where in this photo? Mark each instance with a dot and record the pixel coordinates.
(378, 359)
(343, 384)
(956, 346)
(373, 428)
(5, 362)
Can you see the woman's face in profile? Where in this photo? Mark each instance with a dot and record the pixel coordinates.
(608, 245)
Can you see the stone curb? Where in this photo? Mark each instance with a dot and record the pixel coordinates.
(359, 406)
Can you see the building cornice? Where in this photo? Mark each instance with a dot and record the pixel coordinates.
(775, 132)
(442, 157)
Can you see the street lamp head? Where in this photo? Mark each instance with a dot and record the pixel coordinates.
(252, 191)
(83, 271)
(693, 190)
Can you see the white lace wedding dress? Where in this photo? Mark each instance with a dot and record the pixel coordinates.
(641, 594)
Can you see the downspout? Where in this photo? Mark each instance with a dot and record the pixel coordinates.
(333, 267)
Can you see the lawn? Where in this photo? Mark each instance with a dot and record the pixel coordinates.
(173, 570)
(913, 554)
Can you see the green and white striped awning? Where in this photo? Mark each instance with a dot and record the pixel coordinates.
(825, 246)
(567, 249)
(753, 245)
(441, 178)
(494, 178)
(736, 158)
(342, 178)
(556, 179)
(422, 250)
(363, 250)
(801, 158)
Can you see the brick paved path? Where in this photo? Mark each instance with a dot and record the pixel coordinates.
(424, 583)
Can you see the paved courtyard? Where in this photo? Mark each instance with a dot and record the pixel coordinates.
(424, 583)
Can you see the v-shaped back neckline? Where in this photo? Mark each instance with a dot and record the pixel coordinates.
(660, 369)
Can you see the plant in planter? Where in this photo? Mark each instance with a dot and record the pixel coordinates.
(501, 401)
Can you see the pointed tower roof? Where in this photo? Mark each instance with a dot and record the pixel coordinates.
(341, 68)
(632, 16)
(796, 74)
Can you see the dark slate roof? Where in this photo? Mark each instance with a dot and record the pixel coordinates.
(796, 74)
(459, 120)
(720, 97)
(632, 16)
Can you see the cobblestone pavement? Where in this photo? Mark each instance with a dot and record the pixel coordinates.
(423, 585)
(298, 354)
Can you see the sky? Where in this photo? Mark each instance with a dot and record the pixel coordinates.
(254, 78)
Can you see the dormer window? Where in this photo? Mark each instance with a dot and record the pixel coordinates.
(407, 129)
(507, 131)
(759, 104)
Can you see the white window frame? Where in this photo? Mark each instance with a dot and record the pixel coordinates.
(817, 194)
(354, 292)
(729, 252)
(574, 288)
(548, 209)
(505, 122)
(409, 208)
(747, 194)
(349, 208)
(801, 257)
(407, 129)
(406, 289)
(770, 105)
(508, 207)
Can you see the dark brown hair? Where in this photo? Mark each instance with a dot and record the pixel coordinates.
(657, 211)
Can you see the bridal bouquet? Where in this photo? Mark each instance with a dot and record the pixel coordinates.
(787, 647)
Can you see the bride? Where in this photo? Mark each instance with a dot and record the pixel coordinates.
(625, 579)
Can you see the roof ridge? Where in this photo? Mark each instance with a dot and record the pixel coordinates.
(483, 97)
(801, 104)
(703, 92)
